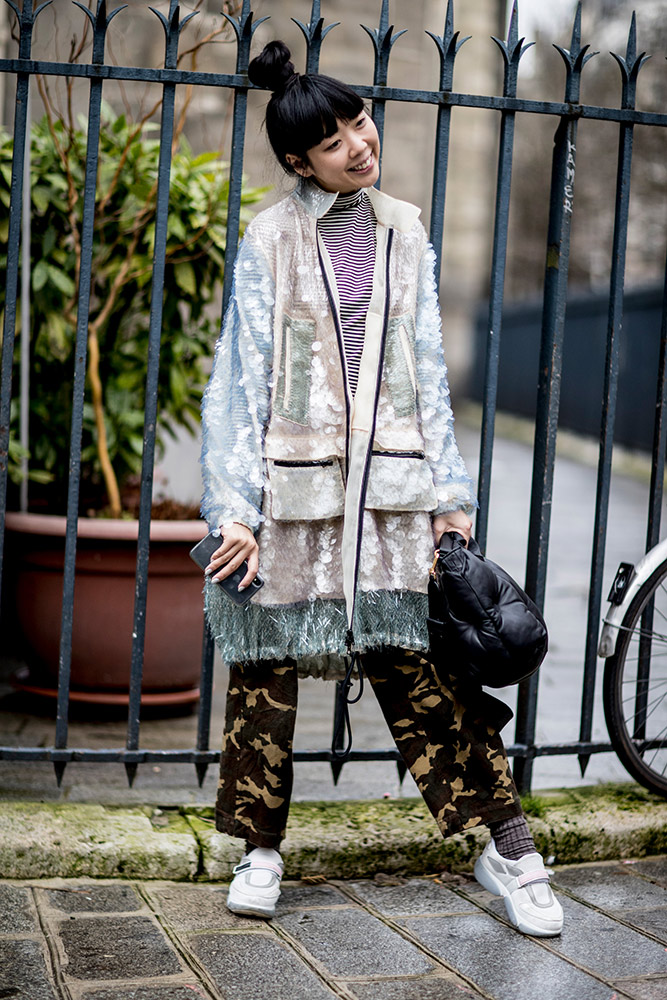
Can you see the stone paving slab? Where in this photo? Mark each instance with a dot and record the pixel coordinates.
(505, 964)
(436, 938)
(353, 943)
(440, 988)
(246, 967)
(25, 973)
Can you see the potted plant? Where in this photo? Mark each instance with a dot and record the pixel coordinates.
(114, 407)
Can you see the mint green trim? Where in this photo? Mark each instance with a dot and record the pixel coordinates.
(313, 628)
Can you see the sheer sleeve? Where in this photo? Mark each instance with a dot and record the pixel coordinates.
(453, 484)
(235, 406)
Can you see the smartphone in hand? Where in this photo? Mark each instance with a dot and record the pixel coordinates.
(202, 552)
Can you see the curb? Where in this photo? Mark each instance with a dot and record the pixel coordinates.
(338, 839)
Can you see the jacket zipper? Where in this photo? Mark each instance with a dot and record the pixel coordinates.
(400, 454)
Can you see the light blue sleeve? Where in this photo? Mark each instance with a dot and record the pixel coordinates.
(235, 406)
(453, 485)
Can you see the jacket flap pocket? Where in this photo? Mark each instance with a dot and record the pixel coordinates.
(306, 490)
(400, 480)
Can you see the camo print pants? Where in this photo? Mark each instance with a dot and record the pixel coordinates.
(457, 760)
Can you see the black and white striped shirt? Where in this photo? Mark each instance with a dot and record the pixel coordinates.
(348, 232)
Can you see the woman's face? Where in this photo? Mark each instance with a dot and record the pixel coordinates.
(346, 161)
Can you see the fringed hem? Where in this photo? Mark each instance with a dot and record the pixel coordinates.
(313, 632)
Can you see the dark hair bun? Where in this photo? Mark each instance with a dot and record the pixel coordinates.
(272, 68)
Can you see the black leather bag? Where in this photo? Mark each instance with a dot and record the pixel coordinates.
(483, 628)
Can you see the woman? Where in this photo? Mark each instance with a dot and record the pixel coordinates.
(329, 460)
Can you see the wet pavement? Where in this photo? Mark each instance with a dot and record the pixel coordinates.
(390, 938)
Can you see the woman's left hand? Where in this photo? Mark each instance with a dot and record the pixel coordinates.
(456, 520)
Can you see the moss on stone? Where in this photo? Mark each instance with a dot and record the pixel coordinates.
(337, 839)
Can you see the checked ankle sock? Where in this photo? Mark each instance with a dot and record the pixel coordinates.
(512, 838)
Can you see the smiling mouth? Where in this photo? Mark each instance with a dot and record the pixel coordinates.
(368, 162)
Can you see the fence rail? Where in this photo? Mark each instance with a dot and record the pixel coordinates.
(568, 113)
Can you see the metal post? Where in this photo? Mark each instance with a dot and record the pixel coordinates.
(551, 362)
(24, 378)
(630, 67)
(172, 26)
(100, 24)
(448, 45)
(512, 51)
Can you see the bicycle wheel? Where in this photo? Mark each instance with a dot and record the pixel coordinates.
(635, 686)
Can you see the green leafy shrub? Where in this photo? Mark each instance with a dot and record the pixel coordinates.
(120, 299)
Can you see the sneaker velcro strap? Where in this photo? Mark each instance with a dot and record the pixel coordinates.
(540, 875)
(258, 866)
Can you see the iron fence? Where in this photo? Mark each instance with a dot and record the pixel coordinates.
(566, 114)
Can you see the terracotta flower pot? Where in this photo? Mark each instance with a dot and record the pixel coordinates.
(104, 606)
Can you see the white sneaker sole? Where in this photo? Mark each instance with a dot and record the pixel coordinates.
(250, 908)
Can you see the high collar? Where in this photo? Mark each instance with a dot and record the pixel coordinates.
(389, 211)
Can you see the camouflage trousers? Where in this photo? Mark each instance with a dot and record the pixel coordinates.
(457, 760)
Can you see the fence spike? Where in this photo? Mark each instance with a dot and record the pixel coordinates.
(131, 771)
(402, 769)
(26, 20)
(244, 29)
(630, 65)
(59, 768)
(336, 768)
(584, 760)
(201, 770)
(314, 33)
(513, 31)
(448, 45)
(575, 58)
(172, 26)
(100, 22)
(513, 49)
(384, 39)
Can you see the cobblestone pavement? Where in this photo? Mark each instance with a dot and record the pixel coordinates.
(436, 938)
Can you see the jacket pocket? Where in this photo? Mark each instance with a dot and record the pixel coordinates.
(400, 480)
(292, 393)
(306, 490)
(399, 366)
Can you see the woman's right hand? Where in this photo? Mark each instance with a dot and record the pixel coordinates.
(238, 543)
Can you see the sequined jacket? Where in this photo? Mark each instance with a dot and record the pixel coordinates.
(288, 451)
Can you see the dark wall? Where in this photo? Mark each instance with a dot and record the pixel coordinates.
(584, 353)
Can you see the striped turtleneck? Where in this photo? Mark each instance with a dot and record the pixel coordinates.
(348, 232)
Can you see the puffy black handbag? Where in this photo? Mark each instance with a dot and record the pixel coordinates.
(483, 628)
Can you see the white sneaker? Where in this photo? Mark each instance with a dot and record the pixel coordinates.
(529, 901)
(255, 887)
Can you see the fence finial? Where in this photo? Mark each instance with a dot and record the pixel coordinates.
(314, 33)
(173, 26)
(630, 66)
(100, 22)
(512, 49)
(244, 29)
(26, 20)
(575, 58)
(448, 45)
(383, 39)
